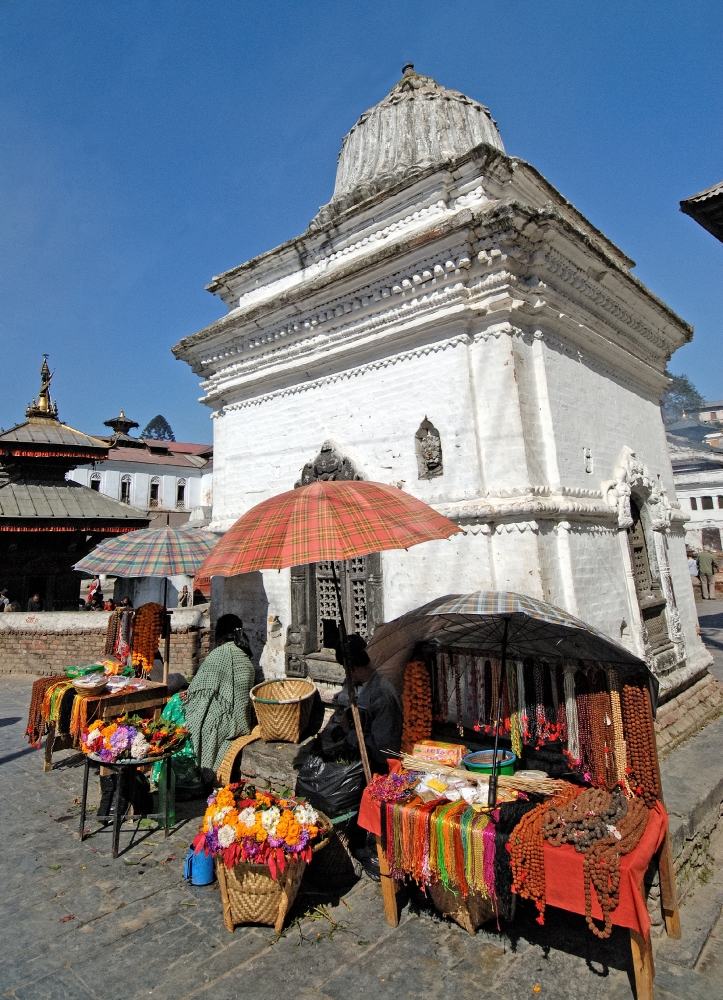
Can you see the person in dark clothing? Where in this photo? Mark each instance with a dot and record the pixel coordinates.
(380, 709)
(35, 604)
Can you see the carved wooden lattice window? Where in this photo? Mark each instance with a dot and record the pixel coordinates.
(313, 594)
(650, 597)
(352, 576)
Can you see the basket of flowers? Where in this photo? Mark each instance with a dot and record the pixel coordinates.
(132, 739)
(261, 843)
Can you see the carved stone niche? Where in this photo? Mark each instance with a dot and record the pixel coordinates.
(429, 450)
(329, 464)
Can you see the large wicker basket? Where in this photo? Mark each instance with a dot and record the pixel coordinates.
(251, 896)
(283, 708)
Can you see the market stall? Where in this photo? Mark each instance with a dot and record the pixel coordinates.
(576, 821)
(62, 706)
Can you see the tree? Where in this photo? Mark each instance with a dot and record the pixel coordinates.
(682, 398)
(158, 429)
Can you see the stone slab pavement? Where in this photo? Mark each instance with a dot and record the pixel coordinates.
(76, 923)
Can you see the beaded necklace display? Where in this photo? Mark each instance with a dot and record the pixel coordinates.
(527, 852)
(573, 736)
(600, 713)
(479, 666)
(618, 740)
(473, 693)
(640, 741)
(584, 724)
(515, 730)
(443, 695)
(488, 693)
(522, 709)
(458, 693)
(601, 865)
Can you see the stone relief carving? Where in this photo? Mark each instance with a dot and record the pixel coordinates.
(329, 464)
(429, 450)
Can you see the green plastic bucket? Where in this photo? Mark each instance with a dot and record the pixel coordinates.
(481, 761)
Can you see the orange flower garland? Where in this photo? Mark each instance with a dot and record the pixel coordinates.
(146, 634)
(417, 705)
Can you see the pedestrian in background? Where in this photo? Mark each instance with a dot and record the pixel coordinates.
(4, 600)
(707, 568)
(35, 603)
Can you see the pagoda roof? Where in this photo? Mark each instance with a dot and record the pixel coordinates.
(62, 501)
(46, 430)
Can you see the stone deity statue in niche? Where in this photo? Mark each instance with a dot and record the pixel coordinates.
(327, 465)
(429, 451)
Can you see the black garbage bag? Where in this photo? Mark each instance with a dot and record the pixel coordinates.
(333, 788)
(135, 791)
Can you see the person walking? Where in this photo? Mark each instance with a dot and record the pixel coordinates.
(707, 568)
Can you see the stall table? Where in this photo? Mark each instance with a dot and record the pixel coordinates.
(565, 886)
(109, 706)
(122, 767)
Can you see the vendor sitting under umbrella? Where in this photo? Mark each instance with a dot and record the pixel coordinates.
(216, 707)
(380, 710)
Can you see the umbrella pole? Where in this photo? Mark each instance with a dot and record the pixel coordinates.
(492, 794)
(166, 632)
(349, 680)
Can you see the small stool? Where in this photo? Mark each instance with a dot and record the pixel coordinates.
(120, 768)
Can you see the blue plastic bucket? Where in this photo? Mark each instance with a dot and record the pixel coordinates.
(199, 868)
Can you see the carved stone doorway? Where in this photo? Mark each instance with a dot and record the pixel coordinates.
(314, 605)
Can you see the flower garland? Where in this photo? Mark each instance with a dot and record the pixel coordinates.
(147, 628)
(131, 738)
(242, 824)
(417, 705)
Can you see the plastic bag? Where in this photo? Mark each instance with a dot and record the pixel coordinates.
(335, 789)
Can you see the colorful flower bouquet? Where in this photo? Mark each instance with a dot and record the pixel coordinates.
(132, 738)
(244, 825)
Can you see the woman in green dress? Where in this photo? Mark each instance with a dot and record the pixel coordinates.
(216, 707)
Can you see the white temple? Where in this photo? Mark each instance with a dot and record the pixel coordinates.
(449, 323)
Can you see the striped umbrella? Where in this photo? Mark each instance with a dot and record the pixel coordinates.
(500, 623)
(331, 520)
(477, 621)
(160, 552)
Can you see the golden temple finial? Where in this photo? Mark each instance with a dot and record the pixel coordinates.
(44, 407)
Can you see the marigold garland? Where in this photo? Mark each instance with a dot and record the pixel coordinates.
(417, 705)
(147, 629)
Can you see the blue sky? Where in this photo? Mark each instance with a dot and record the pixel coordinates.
(147, 146)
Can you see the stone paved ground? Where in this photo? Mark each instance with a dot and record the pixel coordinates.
(75, 923)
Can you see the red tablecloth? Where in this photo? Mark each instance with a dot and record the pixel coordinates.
(565, 887)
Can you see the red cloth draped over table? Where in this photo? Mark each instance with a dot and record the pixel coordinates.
(564, 884)
(565, 887)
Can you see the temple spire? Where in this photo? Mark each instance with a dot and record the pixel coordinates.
(45, 406)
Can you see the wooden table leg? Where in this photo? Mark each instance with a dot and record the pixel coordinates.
(117, 811)
(84, 799)
(389, 888)
(49, 740)
(668, 889)
(642, 965)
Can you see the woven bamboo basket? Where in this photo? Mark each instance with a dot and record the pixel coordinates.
(251, 896)
(283, 708)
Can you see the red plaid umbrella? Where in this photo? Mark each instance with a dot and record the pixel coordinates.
(325, 520)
